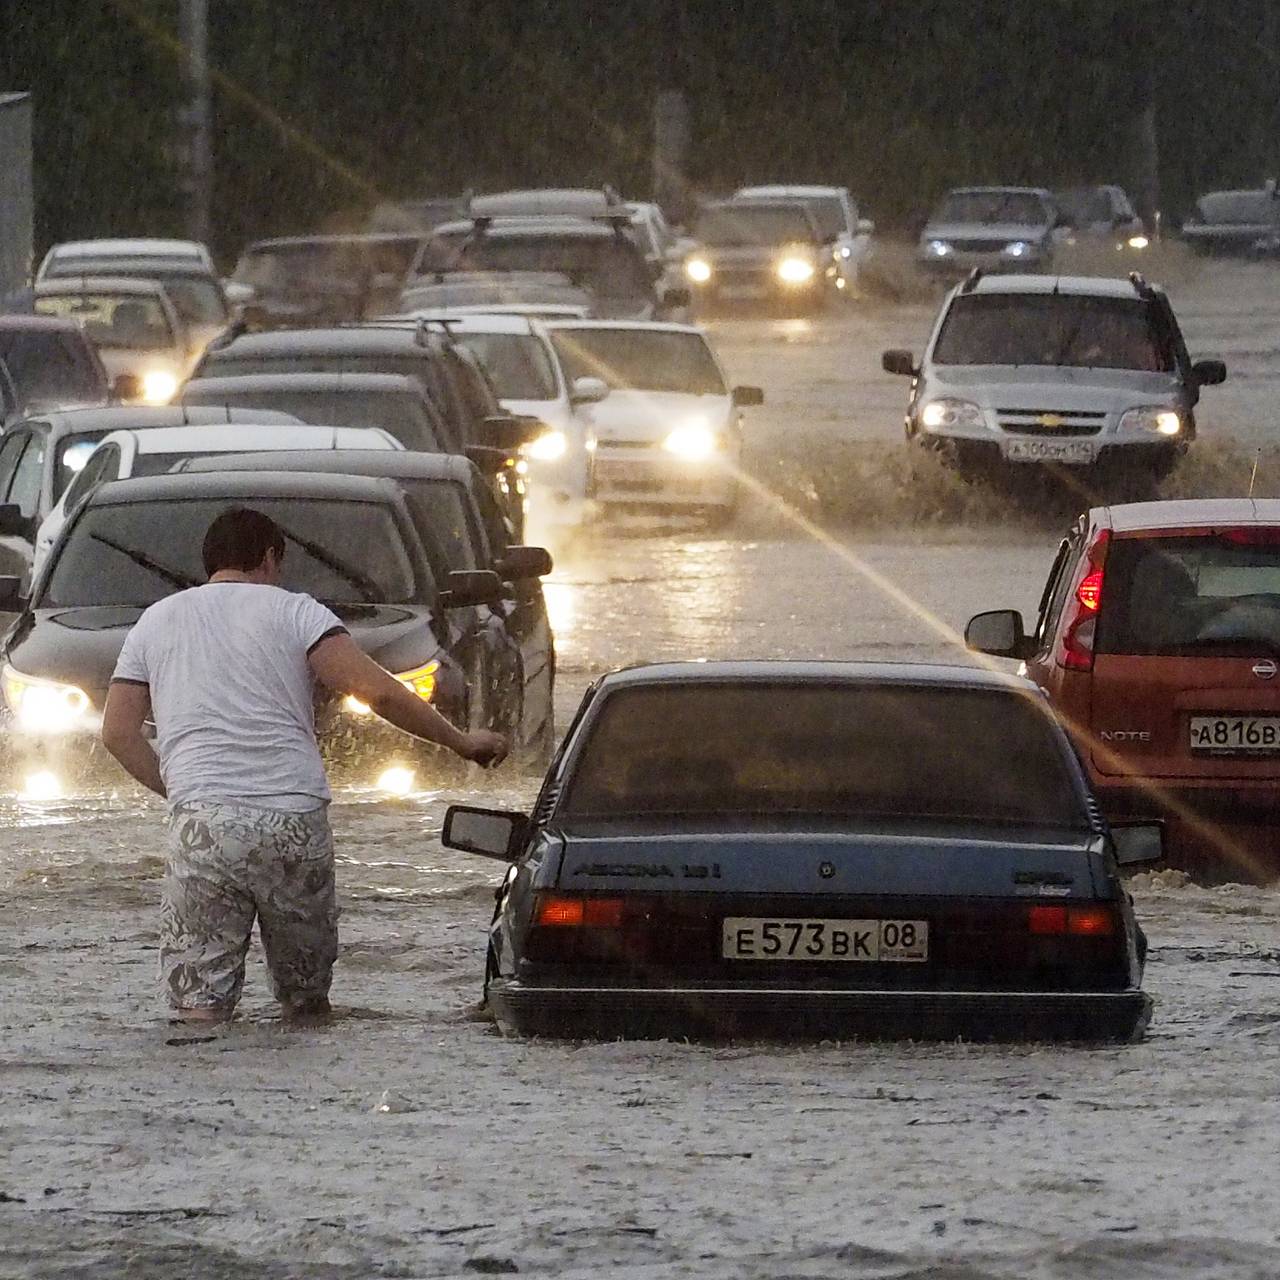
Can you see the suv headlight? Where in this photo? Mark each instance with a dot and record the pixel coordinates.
(1155, 419)
(938, 249)
(1019, 249)
(794, 269)
(698, 270)
(46, 706)
(693, 443)
(159, 386)
(421, 680)
(549, 446)
(939, 415)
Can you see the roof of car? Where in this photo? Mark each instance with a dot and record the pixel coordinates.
(51, 323)
(531, 228)
(356, 237)
(140, 285)
(136, 247)
(1087, 286)
(244, 484)
(398, 335)
(389, 463)
(755, 201)
(648, 326)
(987, 191)
(121, 417)
(548, 202)
(209, 390)
(262, 437)
(797, 192)
(497, 321)
(790, 672)
(131, 266)
(1191, 513)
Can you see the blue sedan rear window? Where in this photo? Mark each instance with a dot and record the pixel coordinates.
(894, 751)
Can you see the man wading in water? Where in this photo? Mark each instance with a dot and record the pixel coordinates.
(227, 672)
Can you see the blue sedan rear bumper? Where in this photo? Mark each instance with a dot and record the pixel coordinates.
(720, 1013)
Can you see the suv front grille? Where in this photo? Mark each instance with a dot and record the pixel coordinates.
(980, 246)
(1051, 422)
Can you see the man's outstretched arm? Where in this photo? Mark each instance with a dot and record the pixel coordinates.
(342, 666)
(128, 706)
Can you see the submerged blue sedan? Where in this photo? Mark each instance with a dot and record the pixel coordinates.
(787, 849)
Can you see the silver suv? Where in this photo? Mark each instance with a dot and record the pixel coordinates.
(1057, 369)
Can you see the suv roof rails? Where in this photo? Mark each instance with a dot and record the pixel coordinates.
(1140, 285)
(971, 280)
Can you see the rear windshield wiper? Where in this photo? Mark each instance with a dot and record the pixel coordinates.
(357, 577)
(174, 577)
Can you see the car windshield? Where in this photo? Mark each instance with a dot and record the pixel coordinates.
(517, 364)
(135, 553)
(439, 509)
(51, 368)
(828, 212)
(1250, 208)
(1083, 205)
(196, 299)
(312, 264)
(128, 321)
(70, 455)
(730, 226)
(606, 266)
(1061, 330)
(401, 413)
(433, 297)
(1216, 594)
(865, 751)
(640, 360)
(992, 208)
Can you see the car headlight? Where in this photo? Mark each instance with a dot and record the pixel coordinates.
(1154, 418)
(421, 680)
(1137, 242)
(693, 443)
(844, 251)
(1018, 249)
(946, 413)
(698, 270)
(938, 249)
(46, 706)
(794, 270)
(159, 386)
(547, 447)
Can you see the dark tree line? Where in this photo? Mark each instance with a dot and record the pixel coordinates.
(324, 106)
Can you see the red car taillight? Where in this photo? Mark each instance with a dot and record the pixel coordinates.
(566, 910)
(1098, 920)
(1082, 624)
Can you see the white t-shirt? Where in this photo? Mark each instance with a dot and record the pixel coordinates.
(231, 692)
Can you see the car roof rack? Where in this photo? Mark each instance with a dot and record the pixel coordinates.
(971, 280)
(1140, 285)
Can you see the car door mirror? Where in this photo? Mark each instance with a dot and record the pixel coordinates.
(13, 523)
(520, 563)
(127, 387)
(588, 391)
(492, 833)
(998, 633)
(239, 294)
(1209, 373)
(899, 362)
(11, 598)
(466, 587)
(1136, 843)
(508, 433)
(488, 460)
(748, 397)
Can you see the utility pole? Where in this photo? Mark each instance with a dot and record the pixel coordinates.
(195, 117)
(671, 115)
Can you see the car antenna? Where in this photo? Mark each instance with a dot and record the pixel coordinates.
(971, 280)
(1140, 285)
(1254, 477)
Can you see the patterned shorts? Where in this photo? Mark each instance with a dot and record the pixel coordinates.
(227, 864)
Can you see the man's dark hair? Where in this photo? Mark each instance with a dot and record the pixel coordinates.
(239, 539)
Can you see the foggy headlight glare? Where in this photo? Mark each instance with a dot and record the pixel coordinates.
(1155, 418)
(1138, 242)
(46, 706)
(396, 781)
(421, 680)
(951, 413)
(698, 270)
(159, 386)
(939, 249)
(1018, 249)
(795, 271)
(692, 443)
(547, 447)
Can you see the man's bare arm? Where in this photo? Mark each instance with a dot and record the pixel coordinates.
(128, 706)
(342, 666)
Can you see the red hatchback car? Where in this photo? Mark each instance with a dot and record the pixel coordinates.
(1158, 643)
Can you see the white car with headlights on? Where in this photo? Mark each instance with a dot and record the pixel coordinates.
(770, 252)
(132, 322)
(1065, 370)
(994, 228)
(667, 428)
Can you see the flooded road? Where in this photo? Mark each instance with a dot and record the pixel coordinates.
(410, 1140)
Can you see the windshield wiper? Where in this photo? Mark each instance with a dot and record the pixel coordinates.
(174, 577)
(357, 577)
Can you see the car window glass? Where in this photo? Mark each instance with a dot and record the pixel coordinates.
(730, 226)
(1055, 591)
(71, 454)
(51, 367)
(840, 750)
(10, 451)
(607, 266)
(1213, 594)
(27, 478)
(993, 208)
(91, 474)
(439, 511)
(132, 322)
(495, 524)
(640, 360)
(517, 364)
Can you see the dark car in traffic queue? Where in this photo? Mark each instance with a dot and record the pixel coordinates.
(351, 542)
(463, 529)
(892, 850)
(41, 454)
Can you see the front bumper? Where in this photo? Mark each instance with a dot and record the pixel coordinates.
(652, 477)
(1079, 452)
(718, 1013)
(957, 265)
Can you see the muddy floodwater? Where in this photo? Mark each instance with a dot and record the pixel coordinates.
(409, 1139)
